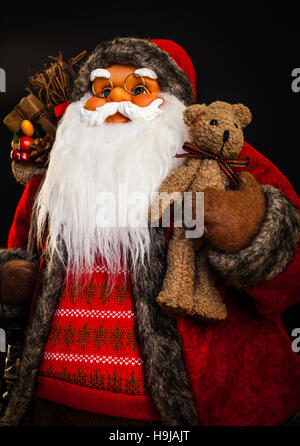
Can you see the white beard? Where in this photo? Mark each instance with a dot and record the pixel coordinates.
(88, 160)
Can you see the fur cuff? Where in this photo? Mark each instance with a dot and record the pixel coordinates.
(17, 254)
(270, 251)
(12, 254)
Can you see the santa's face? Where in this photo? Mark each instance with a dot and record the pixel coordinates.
(136, 87)
(107, 160)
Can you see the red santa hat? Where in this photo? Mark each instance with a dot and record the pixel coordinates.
(166, 58)
(181, 57)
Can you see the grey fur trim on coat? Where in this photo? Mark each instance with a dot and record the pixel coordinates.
(166, 377)
(270, 251)
(52, 279)
(141, 53)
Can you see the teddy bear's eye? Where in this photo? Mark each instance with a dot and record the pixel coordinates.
(213, 122)
(236, 125)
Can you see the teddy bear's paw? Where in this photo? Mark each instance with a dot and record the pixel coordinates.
(173, 311)
(173, 307)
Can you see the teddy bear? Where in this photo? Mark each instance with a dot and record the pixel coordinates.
(216, 132)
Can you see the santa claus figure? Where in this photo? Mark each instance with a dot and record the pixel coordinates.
(98, 349)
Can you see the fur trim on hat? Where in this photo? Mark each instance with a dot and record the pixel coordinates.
(270, 251)
(141, 53)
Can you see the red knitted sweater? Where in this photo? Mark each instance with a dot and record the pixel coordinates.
(91, 360)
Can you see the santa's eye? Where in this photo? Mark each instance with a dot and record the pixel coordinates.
(105, 92)
(213, 122)
(139, 90)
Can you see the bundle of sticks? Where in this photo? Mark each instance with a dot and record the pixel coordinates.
(53, 83)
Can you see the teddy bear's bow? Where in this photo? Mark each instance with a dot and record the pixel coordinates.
(194, 151)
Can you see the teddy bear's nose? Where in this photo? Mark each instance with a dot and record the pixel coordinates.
(226, 136)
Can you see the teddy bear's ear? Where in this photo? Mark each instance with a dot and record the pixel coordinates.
(243, 114)
(192, 112)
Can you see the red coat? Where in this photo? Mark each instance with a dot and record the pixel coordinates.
(242, 370)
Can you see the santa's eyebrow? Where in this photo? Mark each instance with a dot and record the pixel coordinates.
(146, 72)
(99, 72)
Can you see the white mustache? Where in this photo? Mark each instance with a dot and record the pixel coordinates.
(126, 108)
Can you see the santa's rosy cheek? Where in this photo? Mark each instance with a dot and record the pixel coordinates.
(94, 102)
(143, 100)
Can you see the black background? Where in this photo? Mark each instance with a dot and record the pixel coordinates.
(242, 53)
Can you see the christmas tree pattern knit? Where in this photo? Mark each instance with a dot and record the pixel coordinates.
(92, 340)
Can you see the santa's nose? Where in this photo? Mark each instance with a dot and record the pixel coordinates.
(118, 94)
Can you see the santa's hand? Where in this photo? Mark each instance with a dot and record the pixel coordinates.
(232, 218)
(17, 281)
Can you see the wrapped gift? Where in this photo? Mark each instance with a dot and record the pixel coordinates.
(30, 108)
